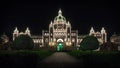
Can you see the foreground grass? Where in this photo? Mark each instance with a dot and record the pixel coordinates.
(98, 58)
(22, 58)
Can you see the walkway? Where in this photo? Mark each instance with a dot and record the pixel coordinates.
(60, 60)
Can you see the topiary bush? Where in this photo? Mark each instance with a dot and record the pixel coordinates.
(89, 43)
(23, 42)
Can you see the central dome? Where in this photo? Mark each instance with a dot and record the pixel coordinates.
(59, 17)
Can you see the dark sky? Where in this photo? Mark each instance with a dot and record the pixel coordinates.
(37, 15)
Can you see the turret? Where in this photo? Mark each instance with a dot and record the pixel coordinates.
(104, 34)
(15, 33)
(103, 30)
(69, 24)
(50, 25)
(92, 32)
(27, 31)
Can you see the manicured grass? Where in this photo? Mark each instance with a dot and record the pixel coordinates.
(98, 59)
(22, 58)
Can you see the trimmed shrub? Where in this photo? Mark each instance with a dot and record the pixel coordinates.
(23, 42)
(89, 43)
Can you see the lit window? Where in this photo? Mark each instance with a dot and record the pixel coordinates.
(34, 41)
(65, 39)
(54, 39)
(46, 40)
(42, 40)
(51, 39)
(73, 40)
(68, 39)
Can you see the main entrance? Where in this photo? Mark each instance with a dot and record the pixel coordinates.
(59, 44)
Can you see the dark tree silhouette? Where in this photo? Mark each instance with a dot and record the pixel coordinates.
(5, 44)
(89, 43)
(109, 46)
(23, 42)
(1, 43)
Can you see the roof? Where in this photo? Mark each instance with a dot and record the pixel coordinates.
(36, 36)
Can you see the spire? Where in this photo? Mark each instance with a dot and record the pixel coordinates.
(51, 22)
(68, 22)
(91, 31)
(104, 34)
(103, 30)
(16, 30)
(50, 25)
(27, 30)
(59, 12)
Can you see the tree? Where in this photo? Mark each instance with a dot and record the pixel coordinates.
(5, 44)
(23, 42)
(109, 46)
(89, 43)
(1, 43)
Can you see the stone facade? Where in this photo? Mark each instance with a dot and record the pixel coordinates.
(60, 31)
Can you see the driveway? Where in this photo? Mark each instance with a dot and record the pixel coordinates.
(60, 60)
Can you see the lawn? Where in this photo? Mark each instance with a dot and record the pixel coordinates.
(98, 59)
(22, 58)
(32, 58)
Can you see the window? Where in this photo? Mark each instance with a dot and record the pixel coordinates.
(51, 39)
(46, 40)
(54, 39)
(73, 40)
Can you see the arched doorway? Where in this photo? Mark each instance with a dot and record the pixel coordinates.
(59, 44)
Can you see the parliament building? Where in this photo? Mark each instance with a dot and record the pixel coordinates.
(60, 32)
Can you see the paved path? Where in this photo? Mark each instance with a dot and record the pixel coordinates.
(60, 60)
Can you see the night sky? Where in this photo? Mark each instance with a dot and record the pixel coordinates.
(37, 15)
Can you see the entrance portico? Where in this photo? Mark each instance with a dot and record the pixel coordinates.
(59, 44)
